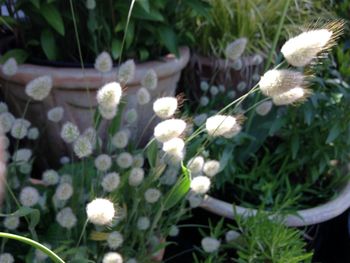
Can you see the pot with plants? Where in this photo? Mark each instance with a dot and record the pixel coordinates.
(77, 45)
(290, 159)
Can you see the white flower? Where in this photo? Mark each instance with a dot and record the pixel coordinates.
(66, 218)
(64, 190)
(131, 116)
(210, 244)
(256, 77)
(100, 211)
(231, 94)
(174, 231)
(115, 240)
(33, 133)
(138, 160)
(22, 155)
(150, 80)
(55, 114)
(64, 160)
(109, 95)
(121, 139)
(275, 82)
(131, 260)
(6, 258)
(291, 96)
(174, 149)
(143, 96)
(152, 195)
(107, 113)
(3, 107)
(169, 129)
(82, 147)
(231, 235)
(211, 168)
(257, 59)
(237, 64)
(126, 71)
(91, 134)
(143, 223)
(6, 121)
(124, 160)
(165, 107)
(10, 67)
(103, 62)
(242, 86)
(169, 177)
(39, 88)
(11, 222)
(69, 132)
(103, 162)
(136, 176)
(204, 101)
(222, 88)
(19, 129)
(50, 177)
(25, 168)
(204, 86)
(90, 4)
(222, 125)
(200, 119)
(41, 256)
(214, 90)
(112, 257)
(195, 165)
(29, 196)
(264, 108)
(110, 182)
(235, 49)
(200, 184)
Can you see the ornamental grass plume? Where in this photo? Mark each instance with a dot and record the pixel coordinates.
(211, 168)
(64, 191)
(10, 67)
(301, 50)
(39, 88)
(11, 222)
(107, 113)
(210, 244)
(222, 125)
(121, 139)
(165, 107)
(152, 195)
(126, 71)
(29, 196)
(103, 162)
(136, 176)
(115, 240)
(69, 132)
(112, 257)
(110, 182)
(174, 149)
(143, 96)
(150, 80)
(235, 49)
(264, 108)
(169, 129)
(6, 258)
(109, 95)
(103, 62)
(66, 218)
(124, 160)
(82, 147)
(292, 96)
(100, 211)
(143, 223)
(50, 177)
(200, 184)
(195, 165)
(55, 114)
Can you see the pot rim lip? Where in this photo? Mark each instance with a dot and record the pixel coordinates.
(66, 77)
(303, 217)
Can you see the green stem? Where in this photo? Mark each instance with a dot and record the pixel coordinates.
(34, 244)
(82, 232)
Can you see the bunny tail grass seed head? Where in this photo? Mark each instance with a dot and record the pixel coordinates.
(301, 50)
(222, 125)
(235, 49)
(64, 191)
(143, 223)
(126, 71)
(82, 147)
(50, 177)
(66, 218)
(90, 4)
(110, 181)
(174, 149)
(169, 129)
(152, 195)
(29, 196)
(39, 88)
(143, 96)
(210, 244)
(55, 114)
(6, 121)
(150, 80)
(109, 95)
(11, 222)
(115, 240)
(103, 62)
(6, 258)
(292, 96)
(10, 67)
(136, 176)
(200, 184)
(211, 168)
(107, 113)
(112, 257)
(121, 139)
(165, 107)
(264, 108)
(69, 132)
(103, 162)
(275, 81)
(195, 165)
(100, 211)
(124, 160)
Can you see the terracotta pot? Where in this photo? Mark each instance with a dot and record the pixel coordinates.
(75, 90)
(305, 217)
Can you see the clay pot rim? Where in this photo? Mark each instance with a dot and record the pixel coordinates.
(304, 217)
(90, 78)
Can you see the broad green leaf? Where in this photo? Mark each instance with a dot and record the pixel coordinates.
(178, 191)
(36, 3)
(169, 39)
(116, 48)
(151, 153)
(48, 44)
(144, 4)
(143, 54)
(19, 54)
(333, 133)
(152, 15)
(53, 17)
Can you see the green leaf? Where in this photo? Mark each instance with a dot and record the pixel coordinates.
(143, 54)
(36, 3)
(34, 215)
(169, 39)
(151, 153)
(48, 44)
(333, 133)
(153, 15)
(295, 145)
(178, 191)
(144, 4)
(116, 48)
(115, 123)
(53, 17)
(19, 54)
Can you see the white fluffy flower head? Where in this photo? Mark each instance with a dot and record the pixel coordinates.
(169, 129)
(69, 132)
(264, 108)
(200, 184)
(143, 96)
(82, 147)
(39, 88)
(152, 195)
(291, 96)
(124, 160)
(110, 181)
(235, 49)
(22, 155)
(109, 95)
(150, 80)
(100, 211)
(103, 162)
(222, 125)
(136, 176)
(126, 71)
(33, 133)
(90, 4)
(115, 240)
(103, 62)
(131, 116)
(64, 191)
(6, 258)
(210, 244)
(107, 113)
(11, 222)
(29, 196)
(165, 107)
(66, 218)
(112, 257)
(195, 165)
(6, 121)
(10, 67)
(211, 168)
(50, 177)
(121, 139)
(143, 223)
(55, 114)
(19, 128)
(174, 149)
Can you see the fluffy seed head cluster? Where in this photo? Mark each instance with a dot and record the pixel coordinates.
(110, 182)
(22, 155)
(82, 147)
(214, 90)
(195, 165)
(199, 119)
(66, 218)
(235, 49)
(222, 125)
(50, 177)
(150, 80)
(107, 113)
(100, 211)
(55, 114)
(143, 223)
(291, 96)
(136, 176)
(124, 160)
(6, 121)
(103, 162)
(204, 86)
(175, 150)
(204, 101)
(138, 160)
(115, 240)
(231, 235)
(103, 62)
(3, 107)
(211, 168)
(131, 116)
(169, 177)
(90, 4)
(200, 184)
(39, 88)
(10, 67)
(91, 134)
(19, 128)
(112, 257)
(33, 133)
(69, 132)
(143, 96)
(169, 129)
(64, 191)
(6, 258)
(109, 95)
(277, 81)
(264, 108)
(174, 231)
(210, 244)
(126, 71)
(152, 195)
(41, 256)
(165, 107)
(11, 222)
(29, 196)
(121, 139)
